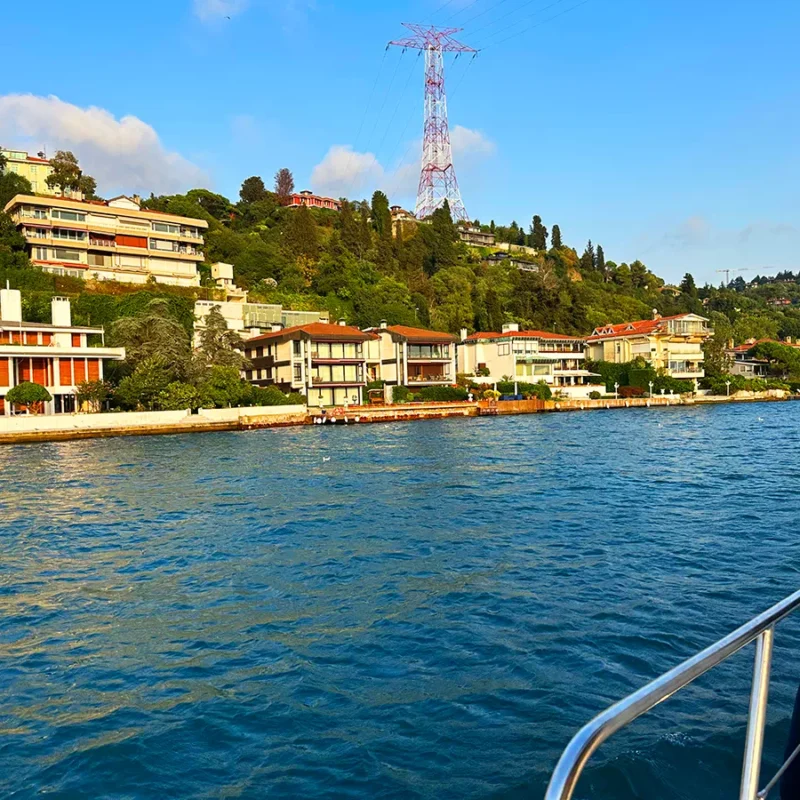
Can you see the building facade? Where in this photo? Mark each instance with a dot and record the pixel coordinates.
(407, 356)
(113, 240)
(307, 198)
(35, 168)
(57, 356)
(742, 363)
(527, 357)
(674, 344)
(325, 362)
(476, 237)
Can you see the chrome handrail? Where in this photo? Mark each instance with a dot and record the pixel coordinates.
(592, 735)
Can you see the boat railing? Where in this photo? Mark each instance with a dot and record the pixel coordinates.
(761, 630)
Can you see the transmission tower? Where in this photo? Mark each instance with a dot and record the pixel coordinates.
(437, 180)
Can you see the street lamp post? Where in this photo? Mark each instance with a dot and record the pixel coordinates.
(651, 388)
(616, 390)
(727, 388)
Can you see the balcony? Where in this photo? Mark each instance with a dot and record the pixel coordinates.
(430, 379)
(101, 242)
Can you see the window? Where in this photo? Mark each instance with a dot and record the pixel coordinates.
(260, 352)
(40, 253)
(35, 185)
(70, 216)
(166, 227)
(163, 244)
(297, 347)
(99, 260)
(66, 255)
(298, 373)
(64, 233)
(36, 233)
(34, 169)
(503, 349)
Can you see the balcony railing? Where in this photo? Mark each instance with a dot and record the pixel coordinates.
(429, 379)
(102, 242)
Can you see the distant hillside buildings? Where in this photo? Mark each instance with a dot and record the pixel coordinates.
(109, 240)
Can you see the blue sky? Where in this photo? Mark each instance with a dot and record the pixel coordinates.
(663, 131)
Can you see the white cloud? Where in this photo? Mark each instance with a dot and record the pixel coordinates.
(470, 143)
(346, 172)
(211, 10)
(123, 155)
(692, 232)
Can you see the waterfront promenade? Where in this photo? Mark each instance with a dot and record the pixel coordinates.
(33, 428)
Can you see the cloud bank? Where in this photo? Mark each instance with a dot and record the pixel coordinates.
(346, 172)
(123, 154)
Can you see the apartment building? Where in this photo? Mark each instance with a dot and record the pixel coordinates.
(406, 356)
(475, 237)
(109, 240)
(674, 344)
(57, 356)
(34, 168)
(307, 198)
(323, 361)
(527, 357)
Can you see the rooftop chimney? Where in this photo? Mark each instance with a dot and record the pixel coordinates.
(10, 305)
(60, 311)
(511, 327)
(276, 326)
(384, 324)
(463, 334)
(342, 321)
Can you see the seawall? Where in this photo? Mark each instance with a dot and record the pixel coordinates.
(143, 423)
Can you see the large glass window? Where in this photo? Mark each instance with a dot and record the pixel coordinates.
(429, 351)
(66, 255)
(166, 227)
(99, 260)
(64, 233)
(71, 216)
(297, 347)
(163, 244)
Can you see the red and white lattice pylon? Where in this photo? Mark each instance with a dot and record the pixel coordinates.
(437, 180)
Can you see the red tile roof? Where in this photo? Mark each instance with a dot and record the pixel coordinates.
(523, 335)
(419, 335)
(640, 327)
(322, 331)
(743, 348)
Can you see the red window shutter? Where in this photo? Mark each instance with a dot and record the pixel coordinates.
(94, 369)
(47, 338)
(25, 370)
(76, 340)
(40, 371)
(131, 241)
(80, 371)
(4, 372)
(65, 371)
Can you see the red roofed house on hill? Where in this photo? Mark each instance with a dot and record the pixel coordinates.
(528, 357)
(674, 344)
(408, 356)
(325, 362)
(306, 198)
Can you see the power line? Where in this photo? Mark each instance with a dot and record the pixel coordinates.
(441, 8)
(482, 13)
(461, 10)
(400, 98)
(364, 115)
(538, 24)
(516, 23)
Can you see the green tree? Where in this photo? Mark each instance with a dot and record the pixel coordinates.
(452, 307)
(28, 394)
(716, 361)
(538, 234)
(11, 185)
(587, 259)
(600, 261)
(301, 239)
(177, 396)
(142, 388)
(222, 387)
(219, 345)
(154, 332)
(783, 360)
(349, 229)
(556, 238)
(381, 215)
(253, 190)
(66, 175)
(440, 237)
(494, 311)
(284, 185)
(688, 286)
(93, 394)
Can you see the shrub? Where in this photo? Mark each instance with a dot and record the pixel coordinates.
(375, 385)
(536, 390)
(595, 395)
(442, 394)
(178, 396)
(631, 391)
(93, 394)
(491, 394)
(30, 395)
(401, 394)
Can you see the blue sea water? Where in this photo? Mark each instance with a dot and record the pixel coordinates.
(412, 610)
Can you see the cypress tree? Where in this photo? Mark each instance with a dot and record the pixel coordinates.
(538, 234)
(555, 241)
(600, 261)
